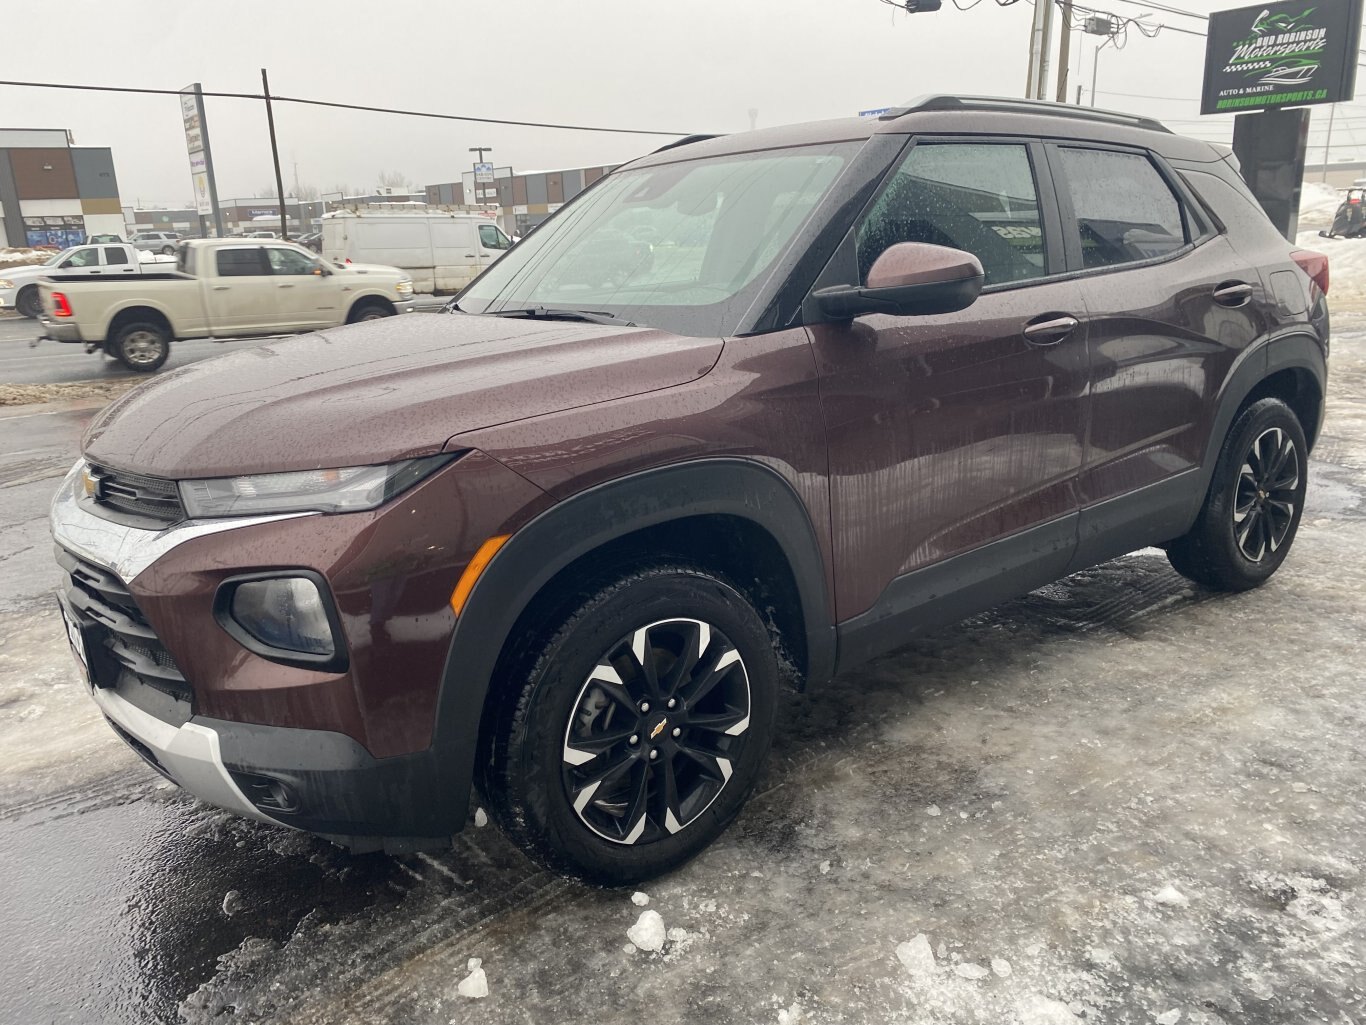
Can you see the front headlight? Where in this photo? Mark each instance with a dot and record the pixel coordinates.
(404, 288)
(7, 283)
(349, 489)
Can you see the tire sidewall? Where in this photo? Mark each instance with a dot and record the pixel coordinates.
(535, 754)
(142, 368)
(1259, 417)
(27, 302)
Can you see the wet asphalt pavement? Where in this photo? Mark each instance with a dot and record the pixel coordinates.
(1116, 798)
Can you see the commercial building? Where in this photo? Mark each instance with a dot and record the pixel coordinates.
(525, 200)
(53, 193)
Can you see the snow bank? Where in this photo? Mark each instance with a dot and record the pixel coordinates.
(1346, 264)
(1318, 203)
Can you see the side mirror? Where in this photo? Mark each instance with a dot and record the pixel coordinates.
(909, 279)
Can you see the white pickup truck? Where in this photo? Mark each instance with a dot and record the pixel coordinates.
(19, 285)
(218, 288)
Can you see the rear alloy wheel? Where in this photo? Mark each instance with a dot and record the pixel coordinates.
(29, 303)
(142, 347)
(1255, 501)
(168, 250)
(639, 729)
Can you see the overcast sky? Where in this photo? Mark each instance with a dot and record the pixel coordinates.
(695, 66)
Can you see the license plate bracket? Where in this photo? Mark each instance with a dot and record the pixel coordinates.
(75, 638)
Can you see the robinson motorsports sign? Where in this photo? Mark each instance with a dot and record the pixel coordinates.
(1287, 54)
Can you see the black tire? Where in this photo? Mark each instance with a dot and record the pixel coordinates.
(29, 302)
(141, 346)
(710, 746)
(1255, 500)
(368, 310)
(168, 250)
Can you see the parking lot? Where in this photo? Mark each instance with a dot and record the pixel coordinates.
(1118, 799)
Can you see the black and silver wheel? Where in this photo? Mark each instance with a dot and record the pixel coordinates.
(29, 303)
(168, 250)
(1254, 503)
(640, 728)
(142, 346)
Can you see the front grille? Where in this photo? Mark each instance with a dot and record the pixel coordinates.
(150, 498)
(121, 645)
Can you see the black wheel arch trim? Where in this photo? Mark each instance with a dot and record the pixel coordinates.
(582, 523)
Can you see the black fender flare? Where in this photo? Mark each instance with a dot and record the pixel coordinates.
(576, 526)
(1287, 352)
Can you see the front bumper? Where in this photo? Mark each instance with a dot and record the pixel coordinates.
(59, 330)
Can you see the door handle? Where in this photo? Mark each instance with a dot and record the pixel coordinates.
(1233, 294)
(469, 256)
(285, 284)
(221, 288)
(1049, 329)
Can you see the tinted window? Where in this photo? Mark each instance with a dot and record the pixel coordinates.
(976, 197)
(113, 255)
(289, 261)
(240, 262)
(1124, 209)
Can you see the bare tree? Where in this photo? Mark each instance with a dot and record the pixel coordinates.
(393, 179)
(306, 192)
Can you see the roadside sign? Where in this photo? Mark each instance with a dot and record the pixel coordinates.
(483, 172)
(1293, 53)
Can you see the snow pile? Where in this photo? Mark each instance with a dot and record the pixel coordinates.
(1346, 264)
(24, 257)
(648, 932)
(476, 984)
(1318, 203)
(1170, 895)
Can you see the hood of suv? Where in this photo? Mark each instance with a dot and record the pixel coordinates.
(379, 392)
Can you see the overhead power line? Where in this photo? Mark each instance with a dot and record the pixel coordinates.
(343, 106)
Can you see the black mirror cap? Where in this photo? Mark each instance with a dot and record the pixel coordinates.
(844, 302)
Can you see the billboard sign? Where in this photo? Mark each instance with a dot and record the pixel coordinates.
(1285, 54)
(483, 172)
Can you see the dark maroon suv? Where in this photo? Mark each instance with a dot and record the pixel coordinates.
(749, 411)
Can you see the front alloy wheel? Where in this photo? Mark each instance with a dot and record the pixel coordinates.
(655, 732)
(631, 723)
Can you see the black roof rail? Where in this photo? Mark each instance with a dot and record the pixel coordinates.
(687, 140)
(1006, 104)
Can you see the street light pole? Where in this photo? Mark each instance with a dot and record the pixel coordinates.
(1095, 63)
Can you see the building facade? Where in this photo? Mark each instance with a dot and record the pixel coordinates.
(524, 200)
(53, 193)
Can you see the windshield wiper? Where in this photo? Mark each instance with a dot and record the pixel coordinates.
(555, 313)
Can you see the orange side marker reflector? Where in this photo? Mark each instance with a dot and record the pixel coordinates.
(473, 571)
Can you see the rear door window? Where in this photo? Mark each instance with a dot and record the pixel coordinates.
(1123, 209)
(978, 197)
(114, 256)
(243, 262)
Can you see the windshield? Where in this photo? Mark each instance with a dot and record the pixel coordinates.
(683, 247)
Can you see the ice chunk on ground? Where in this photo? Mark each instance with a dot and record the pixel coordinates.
(648, 932)
(640, 899)
(932, 810)
(1001, 966)
(476, 984)
(1170, 895)
(1169, 1017)
(968, 970)
(677, 935)
(481, 817)
(916, 956)
(1033, 1009)
(824, 867)
(1100, 955)
(232, 903)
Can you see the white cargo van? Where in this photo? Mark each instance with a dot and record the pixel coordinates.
(442, 251)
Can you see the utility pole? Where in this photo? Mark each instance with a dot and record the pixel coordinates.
(481, 150)
(1040, 35)
(1065, 50)
(1328, 146)
(275, 156)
